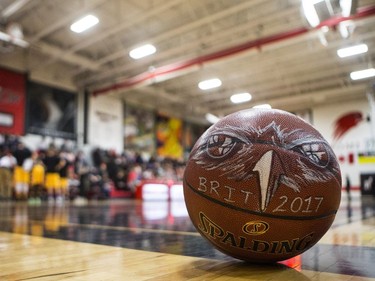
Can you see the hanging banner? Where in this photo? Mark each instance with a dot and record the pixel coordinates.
(51, 111)
(105, 125)
(191, 134)
(169, 137)
(12, 102)
(139, 130)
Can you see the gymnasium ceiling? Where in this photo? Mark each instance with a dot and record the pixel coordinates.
(264, 47)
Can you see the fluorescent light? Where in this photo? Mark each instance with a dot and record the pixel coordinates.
(209, 84)
(348, 7)
(13, 8)
(84, 23)
(16, 41)
(310, 12)
(142, 51)
(212, 118)
(362, 74)
(353, 50)
(265, 106)
(239, 98)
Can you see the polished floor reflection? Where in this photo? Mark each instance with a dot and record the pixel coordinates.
(160, 226)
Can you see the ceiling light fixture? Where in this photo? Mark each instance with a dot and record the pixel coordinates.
(348, 7)
(240, 98)
(264, 106)
(317, 11)
(84, 23)
(362, 74)
(209, 84)
(353, 50)
(142, 51)
(13, 8)
(310, 11)
(16, 41)
(212, 118)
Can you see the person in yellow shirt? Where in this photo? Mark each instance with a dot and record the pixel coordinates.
(64, 177)
(36, 170)
(21, 176)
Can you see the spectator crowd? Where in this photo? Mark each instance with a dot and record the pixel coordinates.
(56, 174)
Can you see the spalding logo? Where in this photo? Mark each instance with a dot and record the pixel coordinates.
(255, 227)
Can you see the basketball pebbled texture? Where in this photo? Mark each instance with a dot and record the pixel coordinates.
(262, 185)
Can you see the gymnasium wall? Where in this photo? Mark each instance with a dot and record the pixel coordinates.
(39, 113)
(349, 129)
(42, 114)
(347, 126)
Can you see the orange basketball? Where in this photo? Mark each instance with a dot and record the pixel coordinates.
(262, 185)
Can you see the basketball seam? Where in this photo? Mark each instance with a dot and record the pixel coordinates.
(333, 212)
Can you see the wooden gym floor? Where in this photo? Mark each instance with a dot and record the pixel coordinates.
(134, 240)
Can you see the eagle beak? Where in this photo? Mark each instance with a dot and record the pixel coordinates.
(269, 168)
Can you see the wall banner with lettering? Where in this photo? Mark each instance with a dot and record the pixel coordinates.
(12, 102)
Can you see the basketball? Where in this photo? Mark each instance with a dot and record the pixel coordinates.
(262, 185)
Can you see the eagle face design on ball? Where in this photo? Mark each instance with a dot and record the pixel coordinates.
(277, 147)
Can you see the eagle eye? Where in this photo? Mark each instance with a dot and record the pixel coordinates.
(316, 152)
(220, 145)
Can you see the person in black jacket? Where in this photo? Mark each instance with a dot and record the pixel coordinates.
(53, 164)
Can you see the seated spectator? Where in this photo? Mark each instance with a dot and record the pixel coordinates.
(7, 163)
